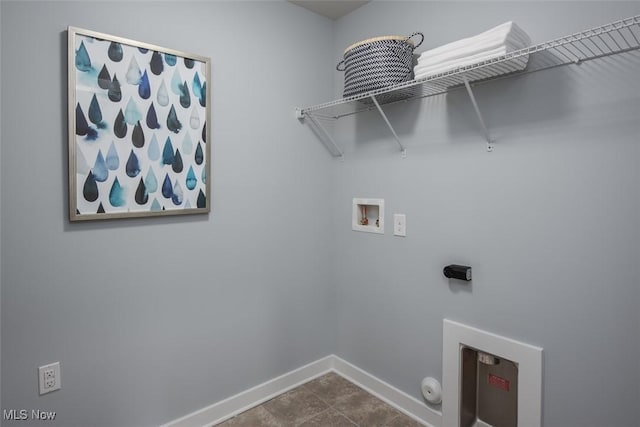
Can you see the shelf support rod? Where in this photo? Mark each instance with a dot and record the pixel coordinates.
(480, 119)
(327, 136)
(395, 135)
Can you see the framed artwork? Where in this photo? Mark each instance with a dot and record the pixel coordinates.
(139, 140)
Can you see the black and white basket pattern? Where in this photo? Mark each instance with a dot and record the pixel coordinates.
(377, 63)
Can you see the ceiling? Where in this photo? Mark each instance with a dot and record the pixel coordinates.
(332, 9)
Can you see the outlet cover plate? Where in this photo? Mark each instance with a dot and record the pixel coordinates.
(400, 225)
(49, 378)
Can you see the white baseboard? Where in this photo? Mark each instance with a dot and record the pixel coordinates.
(400, 400)
(254, 396)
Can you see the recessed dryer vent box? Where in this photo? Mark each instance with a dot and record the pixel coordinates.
(489, 380)
(368, 215)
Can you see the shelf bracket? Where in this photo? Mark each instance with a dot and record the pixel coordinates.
(395, 135)
(301, 115)
(480, 119)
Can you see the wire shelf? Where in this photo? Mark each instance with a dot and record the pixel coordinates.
(610, 39)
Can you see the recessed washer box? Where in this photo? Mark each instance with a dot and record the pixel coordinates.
(368, 215)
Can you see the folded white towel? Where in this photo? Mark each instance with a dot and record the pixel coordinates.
(511, 65)
(500, 34)
(465, 52)
(450, 65)
(491, 44)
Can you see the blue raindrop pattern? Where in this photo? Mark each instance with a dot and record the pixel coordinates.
(144, 88)
(82, 127)
(117, 195)
(140, 129)
(153, 153)
(95, 113)
(203, 95)
(115, 52)
(197, 86)
(185, 98)
(155, 206)
(151, 182)
(120, 125)
(173, 123)
(202, 200)
(192, 181)
(170, 59)
(167, 152)
(83, 61)
(177, 164)
(137, 137)
(90, 189)
(167, 189)
(100, 170)
(133, 165)
(176, 83)
(112, 160)
(178, 196)
(142, 197)
(134, 74)
(199, 157)
(104, 78)
(132, 114)
(152, 118)
(156, 64)
(115, 91)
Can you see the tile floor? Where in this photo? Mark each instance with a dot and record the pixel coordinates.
(327, 401)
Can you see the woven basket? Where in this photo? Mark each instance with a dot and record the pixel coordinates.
(377, 63)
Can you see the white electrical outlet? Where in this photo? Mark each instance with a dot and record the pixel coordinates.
(49, 377)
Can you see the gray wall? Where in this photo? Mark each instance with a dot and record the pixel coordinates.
(549, 220)
(155, 318)
(201, 308)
